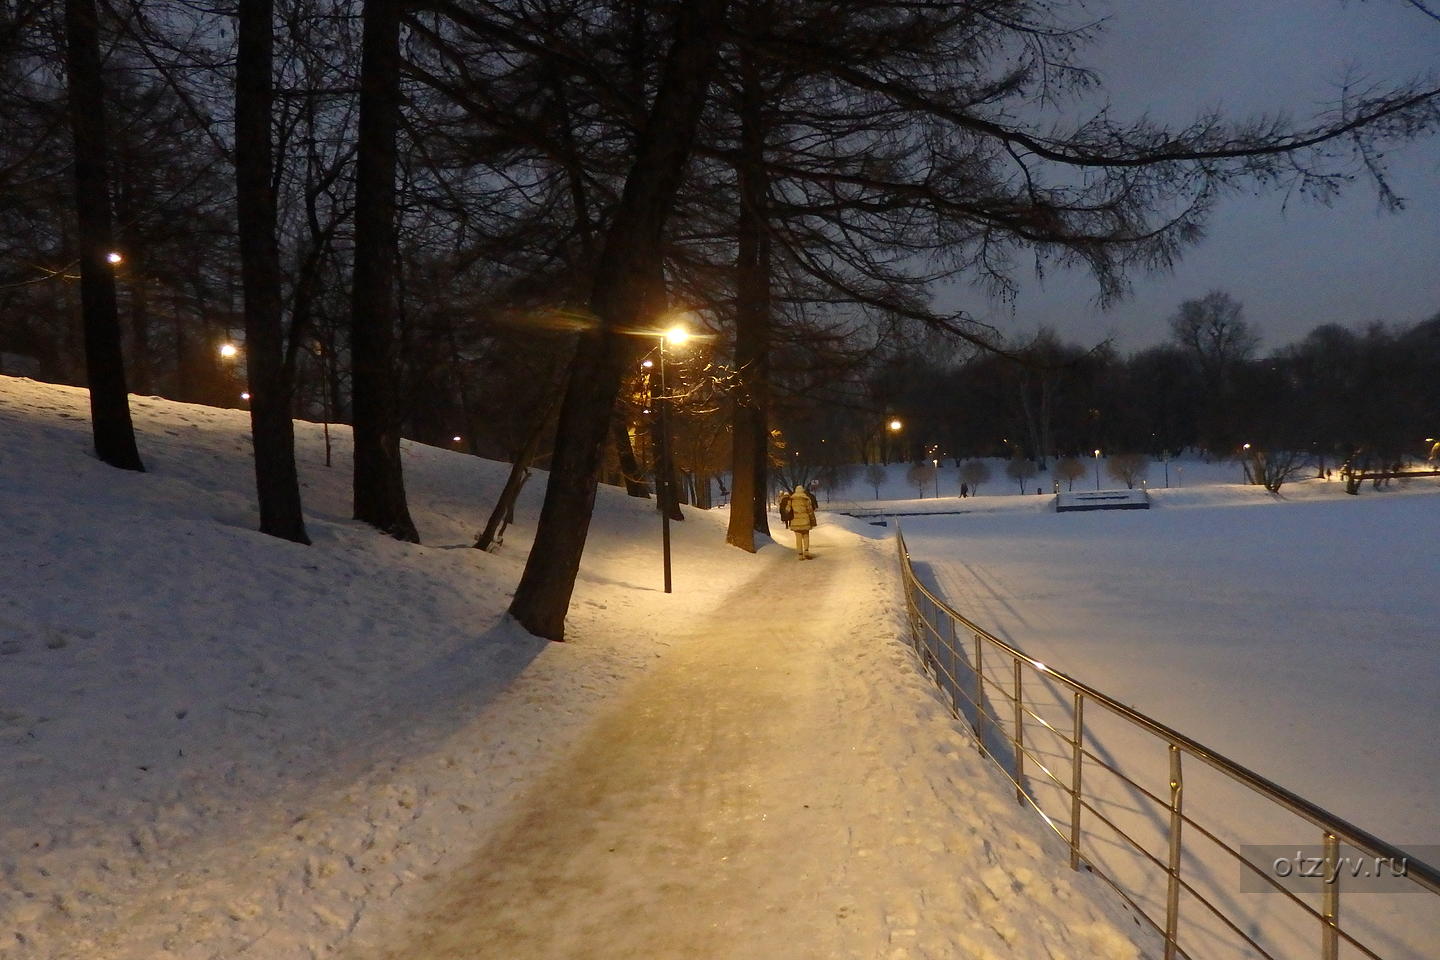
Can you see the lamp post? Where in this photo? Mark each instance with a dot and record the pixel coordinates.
(675, 336)
(1097, 469)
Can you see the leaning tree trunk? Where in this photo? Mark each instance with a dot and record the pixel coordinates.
(635, 485)
(519, 473)
(113, 432)
(277, 484)
(750, 433)
(617, 300)
(375, 406)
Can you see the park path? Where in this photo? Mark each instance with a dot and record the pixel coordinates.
(752, 796)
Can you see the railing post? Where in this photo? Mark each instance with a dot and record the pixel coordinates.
(1330, 907)
(954, 670)
(979, 697)
(1172, 896)
(1019, 737)
(1077, 756)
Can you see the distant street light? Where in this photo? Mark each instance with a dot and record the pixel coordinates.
(245, 395)
(1097, 469)
(895, 426)
(229, 351)
(114, 257)
(455, 439)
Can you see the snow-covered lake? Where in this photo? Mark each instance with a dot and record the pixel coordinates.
(1297, 637)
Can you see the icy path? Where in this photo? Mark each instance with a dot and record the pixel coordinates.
(781, 785)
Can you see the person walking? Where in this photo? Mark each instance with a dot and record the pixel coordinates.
(802, 520)
(786, 511)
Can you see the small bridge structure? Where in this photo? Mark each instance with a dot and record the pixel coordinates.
(1102, 500)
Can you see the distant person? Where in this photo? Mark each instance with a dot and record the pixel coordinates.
(964, 490)
(802, 509)
(787, 508)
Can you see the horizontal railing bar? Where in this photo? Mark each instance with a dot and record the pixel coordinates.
(1164, 867)
(1110, 769)
(1423, 874)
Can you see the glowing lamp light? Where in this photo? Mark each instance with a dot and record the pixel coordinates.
(113, 257)
(455, 439)
(245, 396)
(228, 350)
(1246, 447)
(648, 364)
(1097, 453)
(676, 336)
(895, 424)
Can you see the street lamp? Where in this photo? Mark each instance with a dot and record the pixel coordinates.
(895, 426)
(1097, 469)
(113, 258)
(675, 336)
(229, 351)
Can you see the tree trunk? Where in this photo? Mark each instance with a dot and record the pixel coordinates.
(375, 408)
(277, 485)
(519, 472)
(750, 430)
(617, 300)
(635, 485)
(111, 427)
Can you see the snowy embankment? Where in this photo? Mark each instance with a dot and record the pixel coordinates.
(217, 744)
(1296, 636)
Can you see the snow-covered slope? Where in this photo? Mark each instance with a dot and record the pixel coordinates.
(186, 703)
(217, 744)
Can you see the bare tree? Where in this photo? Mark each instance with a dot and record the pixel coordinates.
(277, 484)
(1071, 469)
(875, 475)
(379, 474)
(973, 473)
(111, 427)
(1128, 468)
(617, 300)
(920, 475)
(1020, 469)
(1272, 469)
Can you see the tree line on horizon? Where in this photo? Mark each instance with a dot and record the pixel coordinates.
(1357, 399)
(449, 217)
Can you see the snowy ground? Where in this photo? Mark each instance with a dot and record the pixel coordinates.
(1296, 636)
(216, 744)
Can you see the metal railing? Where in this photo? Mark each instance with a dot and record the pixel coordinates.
(963, 659)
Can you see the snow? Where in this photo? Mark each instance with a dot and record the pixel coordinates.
(1294, 635)
(217, 744)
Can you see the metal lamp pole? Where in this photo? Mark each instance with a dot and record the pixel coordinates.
(676, 335)
(664, 485)
(1097, 469)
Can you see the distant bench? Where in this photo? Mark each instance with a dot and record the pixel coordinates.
(1102, 500)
